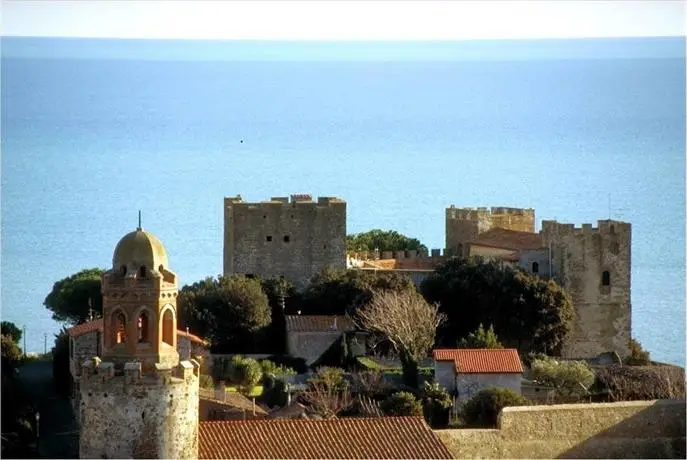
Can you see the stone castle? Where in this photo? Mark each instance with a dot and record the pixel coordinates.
(292, 238)
(138, 400)
(297, 238)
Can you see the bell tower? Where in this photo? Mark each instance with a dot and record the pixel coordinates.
(139, 303)
(138, 400)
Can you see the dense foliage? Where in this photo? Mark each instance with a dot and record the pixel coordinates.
(483, 409)
(481, 339)
(62, 376)
(436, 405)
(569, 378)
(341, 291)
(70, 297)
(284, 299)
(382, 240)
(527, 312)
(231, 312)
(401, 403)
(12, 330)
(638, 356)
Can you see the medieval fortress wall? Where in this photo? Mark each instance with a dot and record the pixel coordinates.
(133, 414)
(297, 237)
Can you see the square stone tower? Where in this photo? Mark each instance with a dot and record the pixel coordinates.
(594, 265)
(295, 238)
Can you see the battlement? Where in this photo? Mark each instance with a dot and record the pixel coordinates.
(604, 227)
(485, 213)
(296, 199)
(96, 374)
(398, 255)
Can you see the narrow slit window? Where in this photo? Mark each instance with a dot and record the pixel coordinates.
(535, 267)
(269, 238)
(606, 278)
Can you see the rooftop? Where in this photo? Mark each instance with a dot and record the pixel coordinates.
(344, 438)
(318, 323)
(509, 239)
(481, 361)
(97, 326)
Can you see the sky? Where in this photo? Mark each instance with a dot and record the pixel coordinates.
(343, 20)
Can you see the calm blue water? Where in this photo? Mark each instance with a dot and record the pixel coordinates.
(92, 131)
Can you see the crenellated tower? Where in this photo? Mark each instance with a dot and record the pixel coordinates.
(138, 400)
(594, 265)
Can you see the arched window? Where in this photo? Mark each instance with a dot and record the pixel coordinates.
(143, 328)
(535, 267)
(119, 327)
(122, 270)
(460, 249)
(606, 278)
(168, 327)
(142, 272)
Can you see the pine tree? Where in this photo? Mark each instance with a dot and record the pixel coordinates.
(481, 339)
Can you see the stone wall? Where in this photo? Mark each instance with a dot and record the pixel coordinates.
(295, 239)
(580, 257)
(310, 345)
(82, 347)
(469, 384)
(136, 415)
(464, 224)
(637, 429)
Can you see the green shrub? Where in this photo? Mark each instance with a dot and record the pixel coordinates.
(569, 378)
(483, 409)
(245, 373)
(638, 356)
(436, 405)
(481, 339)
(402, 403)
(332, 378)
(206, 382)
(297, 364)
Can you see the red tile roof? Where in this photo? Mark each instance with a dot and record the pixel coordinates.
(97, 326)
(508, 239)
(343, 438)
(482, 361)
(318, 323)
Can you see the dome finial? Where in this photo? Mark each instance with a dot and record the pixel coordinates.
(139, 221)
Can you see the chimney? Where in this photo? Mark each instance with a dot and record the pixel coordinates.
(253, 406)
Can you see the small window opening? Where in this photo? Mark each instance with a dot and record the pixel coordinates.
(269, 238)
(142, 271)
(120, 328)
(122, 270)
(143, 327)
(264, 216)
(287, 238)
(535, 267)
(324, 246)
(612, 229)
(606, 278)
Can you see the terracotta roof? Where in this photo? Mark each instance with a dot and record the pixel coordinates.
(508, 239)
(233, 399)
(317, 323)
(404, 264)
(97, 326)
(80, 329)
(343, 438)
(482, 361)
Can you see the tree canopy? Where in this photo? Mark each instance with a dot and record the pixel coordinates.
(69, 298)
(481, 339)
(228, 311)
(10, 329)
(382, 240)
(527, 312)
(341, 291)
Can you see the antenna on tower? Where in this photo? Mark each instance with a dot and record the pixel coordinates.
(609, 206)
(139, 219)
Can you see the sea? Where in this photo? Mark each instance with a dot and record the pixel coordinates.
(94, 130)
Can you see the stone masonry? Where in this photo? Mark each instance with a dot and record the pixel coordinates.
(464, 224)
(292, 238)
